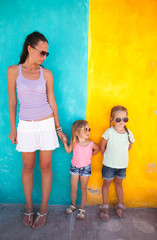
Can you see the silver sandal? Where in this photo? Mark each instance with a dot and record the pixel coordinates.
(29, 213)
(39, 215)
(70, 210)
(81, 214)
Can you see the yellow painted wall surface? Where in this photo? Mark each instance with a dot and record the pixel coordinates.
(122, 69)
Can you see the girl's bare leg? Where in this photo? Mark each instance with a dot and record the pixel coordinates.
(119, 189)
(84, 182)
(74, 185)
(105, 192)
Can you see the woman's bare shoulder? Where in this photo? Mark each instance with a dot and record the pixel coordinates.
(13, 69)
(48, 75)
(47, 72)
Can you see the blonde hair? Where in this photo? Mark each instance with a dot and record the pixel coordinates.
(119, 108)
(75, 128)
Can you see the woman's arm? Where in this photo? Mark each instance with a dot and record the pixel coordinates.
(51, 99)
(12, 74)
(103, 145)
(95, 149)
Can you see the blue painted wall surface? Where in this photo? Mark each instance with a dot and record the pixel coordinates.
(65, 24)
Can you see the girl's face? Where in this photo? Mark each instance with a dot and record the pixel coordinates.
(39, 53)
(120, 118)
(84, 132)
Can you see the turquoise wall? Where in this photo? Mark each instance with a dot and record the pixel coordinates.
(65, 24)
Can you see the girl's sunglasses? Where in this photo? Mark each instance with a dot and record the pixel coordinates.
(86, 129)
(42, 53)
(118, 120)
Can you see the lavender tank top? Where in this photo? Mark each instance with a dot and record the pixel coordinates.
(32, 95)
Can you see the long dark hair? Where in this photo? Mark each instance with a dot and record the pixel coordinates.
(32, 40)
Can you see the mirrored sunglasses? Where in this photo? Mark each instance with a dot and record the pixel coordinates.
(118, 120)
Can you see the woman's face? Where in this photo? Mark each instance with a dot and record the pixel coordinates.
(38, 53)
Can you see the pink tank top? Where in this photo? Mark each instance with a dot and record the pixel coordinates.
(32, 97)
(82, 155)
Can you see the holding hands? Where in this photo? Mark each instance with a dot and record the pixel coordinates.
(62, 137)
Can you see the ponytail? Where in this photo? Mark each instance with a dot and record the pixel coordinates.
(127, 133)
(32, 40)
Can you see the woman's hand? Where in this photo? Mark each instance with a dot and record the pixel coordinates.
(62, 136)
(13, 136)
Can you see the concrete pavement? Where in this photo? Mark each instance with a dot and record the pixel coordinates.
(138, 224)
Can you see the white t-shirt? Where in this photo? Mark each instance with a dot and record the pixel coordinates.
(116, 153)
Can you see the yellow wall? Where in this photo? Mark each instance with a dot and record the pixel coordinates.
(122, 69)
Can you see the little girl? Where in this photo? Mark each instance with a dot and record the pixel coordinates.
(116, 141)
(83, 149)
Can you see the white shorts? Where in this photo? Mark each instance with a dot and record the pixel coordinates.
(36, 135)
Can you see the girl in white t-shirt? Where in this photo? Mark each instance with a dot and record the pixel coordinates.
(116, 141)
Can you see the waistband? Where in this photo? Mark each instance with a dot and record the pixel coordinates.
(37, 121)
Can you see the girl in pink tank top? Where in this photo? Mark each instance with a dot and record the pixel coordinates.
(83, 150)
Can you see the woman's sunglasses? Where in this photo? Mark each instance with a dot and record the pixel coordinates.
(86, 129)
(118, 120)
(42, 53)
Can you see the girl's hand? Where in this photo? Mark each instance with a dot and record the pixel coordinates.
(62, 136)
(95, 149)
(13, 137)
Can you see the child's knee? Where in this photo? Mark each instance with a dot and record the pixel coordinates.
(118, 182)
(107, 183)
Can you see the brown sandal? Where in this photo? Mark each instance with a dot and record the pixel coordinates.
(28, 219)
(120, 210)
(104, 216)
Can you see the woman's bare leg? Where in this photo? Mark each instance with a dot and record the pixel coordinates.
(27, 180)
(46, 172)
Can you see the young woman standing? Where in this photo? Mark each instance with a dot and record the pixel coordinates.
(38, 120)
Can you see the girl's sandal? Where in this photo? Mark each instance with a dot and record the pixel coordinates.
(120, 210)
(81, 214)
(104, 216)
(40, 220)
(70, 210)
(28, 219)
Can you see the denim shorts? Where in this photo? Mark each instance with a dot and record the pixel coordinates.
(109, 173)
(83, 171)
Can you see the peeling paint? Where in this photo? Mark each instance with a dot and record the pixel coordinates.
(93, 191)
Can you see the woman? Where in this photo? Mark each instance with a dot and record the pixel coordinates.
(38, 118)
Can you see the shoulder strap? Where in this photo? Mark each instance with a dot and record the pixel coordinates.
(41, 72)
(20, 69)
(91, 143)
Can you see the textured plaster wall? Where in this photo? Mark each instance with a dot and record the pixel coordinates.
(122, 69)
